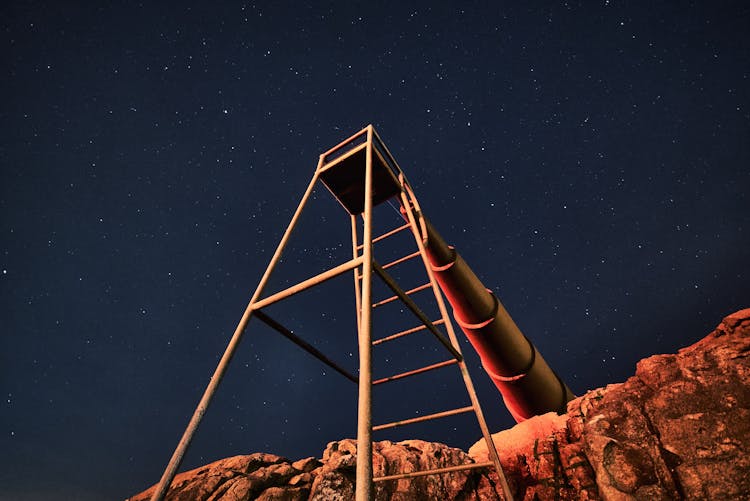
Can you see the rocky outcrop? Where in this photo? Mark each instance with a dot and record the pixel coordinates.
(270, 477)
(257, 476)
(335, 479)
(678, 429)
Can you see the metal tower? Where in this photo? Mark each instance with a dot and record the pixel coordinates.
(361, 173)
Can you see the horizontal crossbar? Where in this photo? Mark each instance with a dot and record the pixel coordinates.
(410, 291)
(386, 235)
(349, 153)
(405, 332)
(400, 260)
(419, 419)
(421, 370)
(436, 471)
(394, 263)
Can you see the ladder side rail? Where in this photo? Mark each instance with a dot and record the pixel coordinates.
(387, 153)
(411, 205)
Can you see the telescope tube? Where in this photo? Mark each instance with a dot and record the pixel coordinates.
(528, 385)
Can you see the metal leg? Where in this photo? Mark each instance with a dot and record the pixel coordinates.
(187, 436)
(355, 255)
(364, 489)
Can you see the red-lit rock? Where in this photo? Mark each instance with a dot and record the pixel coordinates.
(678, 429)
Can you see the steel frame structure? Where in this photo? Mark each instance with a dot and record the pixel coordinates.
(360, 172)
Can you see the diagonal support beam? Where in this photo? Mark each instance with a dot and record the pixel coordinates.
(304, 345)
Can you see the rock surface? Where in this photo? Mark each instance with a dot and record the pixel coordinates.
(678, 429)
(270, 477)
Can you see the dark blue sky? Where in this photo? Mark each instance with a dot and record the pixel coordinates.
(590, 160)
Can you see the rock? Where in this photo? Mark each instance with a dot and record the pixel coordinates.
(336, 479)
(239, 477)
(678, 429)
(306, 465)
(283, 494)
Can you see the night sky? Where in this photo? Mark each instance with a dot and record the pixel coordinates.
(590, 160)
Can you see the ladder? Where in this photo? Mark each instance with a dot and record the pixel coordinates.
(360, 172)
(449, 343)
(414, 223)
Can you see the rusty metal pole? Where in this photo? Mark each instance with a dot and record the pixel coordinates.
(187, 436)
(364, 489)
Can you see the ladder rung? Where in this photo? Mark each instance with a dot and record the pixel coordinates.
(423, 418)
(406, 332)
(421, 370)
(409, 292)
(386, 235)
(394, 263)
(409, 302)
(401, 260)
(436, 471)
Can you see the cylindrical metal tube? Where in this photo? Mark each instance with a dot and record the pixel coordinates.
(528, 385)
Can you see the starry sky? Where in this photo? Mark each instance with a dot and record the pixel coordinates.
(588, 159)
